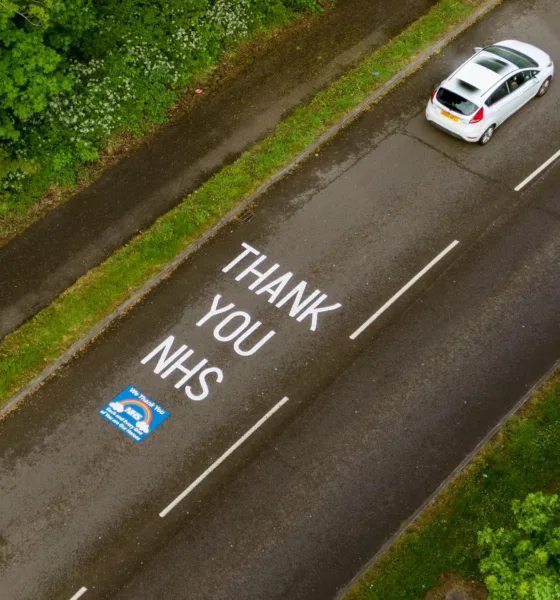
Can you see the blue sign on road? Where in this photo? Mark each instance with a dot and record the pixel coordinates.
(134, 413)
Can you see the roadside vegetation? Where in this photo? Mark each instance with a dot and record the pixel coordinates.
(28, 350)
(73, 73)
(521, 560)
(461, 532)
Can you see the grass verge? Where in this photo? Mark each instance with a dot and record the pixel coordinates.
(27, 351)
(524, 457)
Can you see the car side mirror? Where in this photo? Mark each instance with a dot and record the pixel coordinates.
(477, 50)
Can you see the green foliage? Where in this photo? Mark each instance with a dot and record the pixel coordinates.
(33, 69)
(74, 72)
(522, 562)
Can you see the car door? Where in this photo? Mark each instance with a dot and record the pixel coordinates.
(522, 87)
(531, 85)
(498, 104)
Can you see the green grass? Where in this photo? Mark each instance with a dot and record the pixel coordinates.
(523, 458)
(25, 352)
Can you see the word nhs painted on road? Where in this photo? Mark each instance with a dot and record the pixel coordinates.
(169, 363)
(301, 307)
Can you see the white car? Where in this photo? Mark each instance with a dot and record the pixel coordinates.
(488, 88)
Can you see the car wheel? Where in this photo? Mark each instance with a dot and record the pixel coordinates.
(544, 87)
(487, 135)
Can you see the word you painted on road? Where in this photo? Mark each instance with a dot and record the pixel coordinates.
(233, 325)
(134, 413)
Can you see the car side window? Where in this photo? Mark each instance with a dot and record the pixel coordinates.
(527, 75)
(518, 80)
(500, 93)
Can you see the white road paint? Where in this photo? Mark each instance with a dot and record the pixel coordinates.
(537, 172)
(79, 593)
(403, 290)
(301, 307)
(220, 460)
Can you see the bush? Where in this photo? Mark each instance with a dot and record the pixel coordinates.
(523, 561)
(74, 72)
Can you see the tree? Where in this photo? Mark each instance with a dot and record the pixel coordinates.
(523, 562)
(34, 40)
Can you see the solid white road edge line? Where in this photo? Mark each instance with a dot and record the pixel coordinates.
(537, 172)
(220, 460)
(79, 593)
(403, 290)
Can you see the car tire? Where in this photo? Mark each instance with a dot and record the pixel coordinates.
(545, 86)
(487, 135)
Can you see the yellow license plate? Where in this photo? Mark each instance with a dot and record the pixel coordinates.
(450, 116)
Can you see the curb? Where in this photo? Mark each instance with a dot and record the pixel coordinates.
(151, 283)
(448, 480)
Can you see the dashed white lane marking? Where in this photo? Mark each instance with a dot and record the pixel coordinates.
(537, 172)
(79, 593)
(403, 290)
(220, 460)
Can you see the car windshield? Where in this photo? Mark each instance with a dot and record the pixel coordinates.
(519, 59)
(455, 102)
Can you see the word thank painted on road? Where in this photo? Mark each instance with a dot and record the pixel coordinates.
(301, 307)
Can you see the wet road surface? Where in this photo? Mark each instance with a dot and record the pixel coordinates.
(371, 426)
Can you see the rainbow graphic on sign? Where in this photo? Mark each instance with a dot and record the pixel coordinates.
(134, 413)
(140, 405)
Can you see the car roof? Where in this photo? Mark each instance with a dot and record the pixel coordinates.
(479, 74)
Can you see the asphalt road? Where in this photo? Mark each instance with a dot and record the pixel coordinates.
(371, 426)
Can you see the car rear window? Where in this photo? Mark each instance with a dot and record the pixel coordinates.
(519, 59)
(455, 102)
